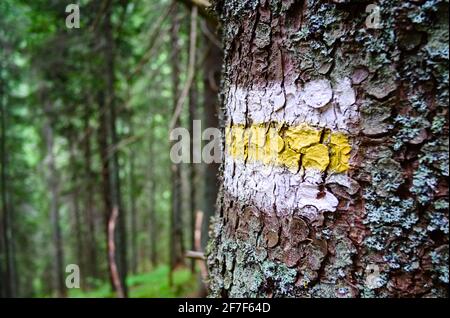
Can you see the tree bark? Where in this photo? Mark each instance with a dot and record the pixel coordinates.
(334, 182)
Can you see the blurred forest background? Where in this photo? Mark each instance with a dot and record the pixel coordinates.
(85, 116)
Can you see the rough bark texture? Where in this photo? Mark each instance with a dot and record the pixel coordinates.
(355, 202)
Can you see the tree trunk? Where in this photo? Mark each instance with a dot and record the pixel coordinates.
(7, 255)
(133, 216)
(5, 288)
(113, 157)
(102, 140)
(3, 273)
(153, 227)
(193, 104)
(211, 83)
(176, 226)
(52, 178)
(334, 182)
(89, 197)
(75, 198)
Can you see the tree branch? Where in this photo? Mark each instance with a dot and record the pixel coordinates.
(203, 7)
(154, 36)
(191, 68)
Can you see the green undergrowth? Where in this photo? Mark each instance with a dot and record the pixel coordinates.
(154, 284)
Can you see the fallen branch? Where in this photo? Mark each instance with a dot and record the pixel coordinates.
(195, 255)
(198, 245)
(115, 276)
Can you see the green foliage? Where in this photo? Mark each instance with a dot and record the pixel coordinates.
(154, 284)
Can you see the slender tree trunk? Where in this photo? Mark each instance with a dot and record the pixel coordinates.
(5, 287)
(211, 83)
(52, 179)
(153, 228)
(193, 104)
(113, 157)
(92, 265)
(334, 180)
(75, 196)
(105, 167)
(3, 275)
(133, 216)
(176, 226)
(7, 257)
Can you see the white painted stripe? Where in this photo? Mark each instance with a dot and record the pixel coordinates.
(318, 103)
(267, 187)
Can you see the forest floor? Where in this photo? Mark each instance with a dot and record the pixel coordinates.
(154, 284)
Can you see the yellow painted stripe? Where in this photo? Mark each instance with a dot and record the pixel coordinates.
(289, 146)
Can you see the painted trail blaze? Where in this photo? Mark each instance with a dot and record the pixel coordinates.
(293, 147)
(299, 145)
